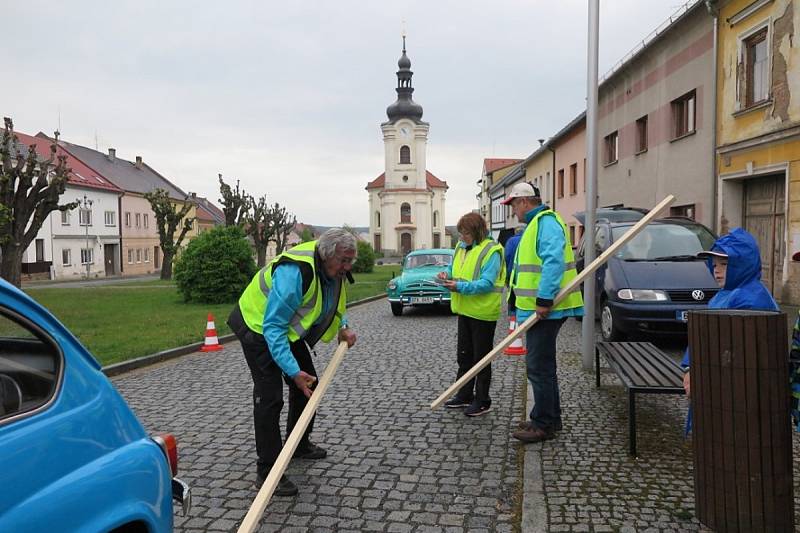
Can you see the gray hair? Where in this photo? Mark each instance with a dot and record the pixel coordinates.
(335, 238)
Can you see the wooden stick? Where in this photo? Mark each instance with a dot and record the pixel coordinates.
(250, 521)
(574, 285)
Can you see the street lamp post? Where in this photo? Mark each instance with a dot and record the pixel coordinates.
(85, 204)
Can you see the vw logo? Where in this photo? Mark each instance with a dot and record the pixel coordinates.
(698, 295)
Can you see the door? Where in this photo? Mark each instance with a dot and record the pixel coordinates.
(109, 253)
(377, 246)
(437, 240)
(156, 257)
(764, 218)
(405, 243)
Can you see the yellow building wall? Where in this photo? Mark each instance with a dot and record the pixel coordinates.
(783, 18)
(539, 170)
(500, 173)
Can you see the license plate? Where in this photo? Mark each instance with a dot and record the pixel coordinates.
(683, 316)
(422, 299)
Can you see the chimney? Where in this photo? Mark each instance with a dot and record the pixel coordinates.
(139, 162)
(112, 154)
(541, 142)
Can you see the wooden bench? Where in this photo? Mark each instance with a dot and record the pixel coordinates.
(643, 368)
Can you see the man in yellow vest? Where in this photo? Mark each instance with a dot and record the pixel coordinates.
(543, 265)
(296, 300)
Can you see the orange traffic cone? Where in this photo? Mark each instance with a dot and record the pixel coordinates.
(212, 342)
(516, 347)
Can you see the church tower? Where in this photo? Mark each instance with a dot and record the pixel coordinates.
(406, 202)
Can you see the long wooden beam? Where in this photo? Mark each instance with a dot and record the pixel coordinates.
(574, 285)
(264, 495)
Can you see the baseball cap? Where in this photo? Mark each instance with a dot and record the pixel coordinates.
(710, 253)
(521, 190)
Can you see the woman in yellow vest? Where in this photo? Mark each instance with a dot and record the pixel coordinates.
(475, 280)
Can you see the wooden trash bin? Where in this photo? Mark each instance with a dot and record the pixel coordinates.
(741, 424)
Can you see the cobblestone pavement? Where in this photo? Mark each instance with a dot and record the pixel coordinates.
(396, 466)
(393, 465)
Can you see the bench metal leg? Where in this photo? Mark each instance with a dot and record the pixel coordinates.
(597, 367)
(632, 422)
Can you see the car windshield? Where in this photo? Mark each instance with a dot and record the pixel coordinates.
(665, 242)
(416, 261)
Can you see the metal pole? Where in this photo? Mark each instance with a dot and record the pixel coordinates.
(86, 205)
(591, 182)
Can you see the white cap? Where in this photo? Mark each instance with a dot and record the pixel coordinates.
(521, 190)
(710, 253)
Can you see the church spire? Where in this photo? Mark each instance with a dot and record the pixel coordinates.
(404, 106)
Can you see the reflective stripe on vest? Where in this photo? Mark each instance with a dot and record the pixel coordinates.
(485, 306)
(527, 271)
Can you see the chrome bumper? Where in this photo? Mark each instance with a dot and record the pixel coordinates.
(182, 494)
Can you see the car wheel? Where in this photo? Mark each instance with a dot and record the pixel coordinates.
(397, 308)
(608, 328)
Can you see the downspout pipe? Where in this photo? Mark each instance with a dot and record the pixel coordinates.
(713, 10)
(553, 179)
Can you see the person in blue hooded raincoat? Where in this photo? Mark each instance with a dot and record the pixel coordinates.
(735, 262)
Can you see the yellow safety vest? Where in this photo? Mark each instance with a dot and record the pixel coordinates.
(467, 266)
(527, 270)
(253, 302)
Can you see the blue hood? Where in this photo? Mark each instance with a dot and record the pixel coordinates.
(743, 288)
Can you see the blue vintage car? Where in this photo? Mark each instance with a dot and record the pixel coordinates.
(73, 456)
(416, 285)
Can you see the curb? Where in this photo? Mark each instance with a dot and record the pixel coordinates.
(147, 360)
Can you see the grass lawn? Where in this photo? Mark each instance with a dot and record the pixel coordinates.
(128, 320)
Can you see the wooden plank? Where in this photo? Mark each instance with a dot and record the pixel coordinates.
(702, 481)
(575, 284)
(740, 424)
(713, 421)
(765, 435)
(262, 499)
(726, 415)
(753, 426)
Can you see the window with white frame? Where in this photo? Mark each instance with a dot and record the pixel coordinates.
(146, 255)
(111, 218)
(65, 215)
(754, 79)
(138, 255)
(66, 257)
(127, 219)
(146, 220)
(85, 217)
(683, 114)
(87, 256)
(130, 256)
(138, 220)
(611, 152)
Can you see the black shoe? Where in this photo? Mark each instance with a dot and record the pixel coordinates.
(285, 486)
(456, 403)
(476, 409)
(312, 451)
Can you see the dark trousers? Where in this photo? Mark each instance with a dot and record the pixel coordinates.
(475, 340)
(268, 393)
(542, 373)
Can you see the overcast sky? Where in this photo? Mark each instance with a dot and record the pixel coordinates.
(288, 97)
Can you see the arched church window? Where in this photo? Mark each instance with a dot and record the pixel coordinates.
(436, 219)
(405, 155)
(377, 219)
(405, 213)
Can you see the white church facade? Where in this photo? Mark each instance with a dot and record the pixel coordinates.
(406, 202)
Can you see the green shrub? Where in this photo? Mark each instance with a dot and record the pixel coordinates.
(365, 262)
(216, 266)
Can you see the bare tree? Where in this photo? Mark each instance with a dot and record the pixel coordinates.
(283, 223)
(260, 227)
(30, 187)
(168, 216)
(235, 203)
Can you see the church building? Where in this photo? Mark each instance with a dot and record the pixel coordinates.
(406, 202)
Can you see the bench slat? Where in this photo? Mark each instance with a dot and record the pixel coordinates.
(642, 365)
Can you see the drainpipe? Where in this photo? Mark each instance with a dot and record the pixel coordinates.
(713, 10)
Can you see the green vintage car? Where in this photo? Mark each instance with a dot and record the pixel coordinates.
(416, 285)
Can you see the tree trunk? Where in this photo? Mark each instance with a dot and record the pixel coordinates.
(11, 265)
(262, 256)
(166, 265)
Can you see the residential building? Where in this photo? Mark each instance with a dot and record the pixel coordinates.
(655, 120)
(569, 186)
(208, 215)
(494, 170)
(70, 241)
(758, 133)
(406, 202)
(141, 248)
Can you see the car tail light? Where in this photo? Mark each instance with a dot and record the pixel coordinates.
(170, 448)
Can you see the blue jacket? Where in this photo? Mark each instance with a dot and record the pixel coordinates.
(511, 250)
(743, 288)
